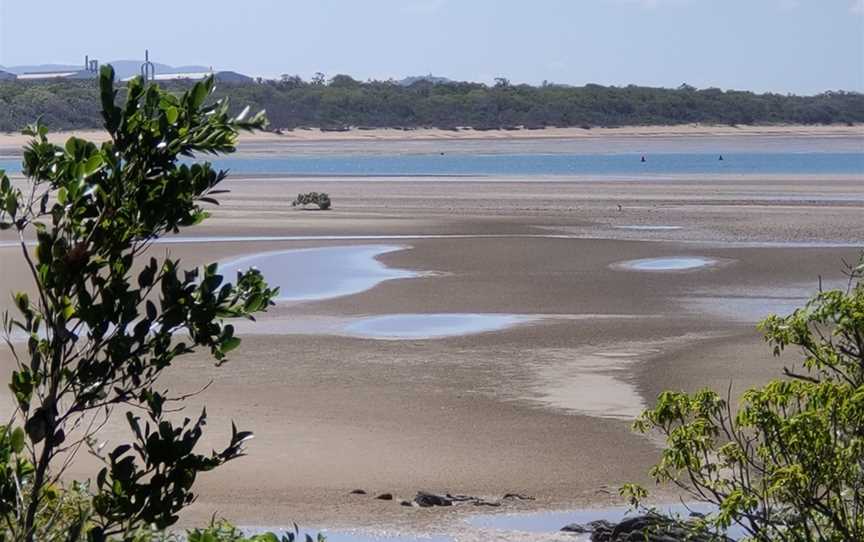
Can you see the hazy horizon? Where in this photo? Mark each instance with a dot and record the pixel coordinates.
(784, 46)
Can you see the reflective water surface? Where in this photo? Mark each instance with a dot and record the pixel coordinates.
(320, 273)
(430, 326)
(677, 263)
(550, 522)
(647, 228)
(344, 536)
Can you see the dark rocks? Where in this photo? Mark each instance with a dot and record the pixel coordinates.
(590, 527)
(459, 498)
(428, 500)
(645, 528)
(517, 497)
(424, 499)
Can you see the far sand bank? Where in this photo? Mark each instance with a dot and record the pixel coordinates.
(689, 137)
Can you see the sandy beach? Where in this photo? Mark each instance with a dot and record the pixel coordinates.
(678, 138)
(542, 407)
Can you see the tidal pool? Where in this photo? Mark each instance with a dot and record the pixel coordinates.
(676, 263)
(430, 326)
(320, 273)
(648, 228)
(346, 536)
(550, 522)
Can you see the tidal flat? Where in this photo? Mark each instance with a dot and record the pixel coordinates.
(540, 407)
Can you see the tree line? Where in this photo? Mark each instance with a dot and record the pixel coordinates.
(343, 102)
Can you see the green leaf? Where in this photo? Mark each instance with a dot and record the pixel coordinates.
(198, 95)
(172, 114)
(93, 164)
(17, 440)
(230, 343)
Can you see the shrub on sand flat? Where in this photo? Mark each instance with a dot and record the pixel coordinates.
(320, 199)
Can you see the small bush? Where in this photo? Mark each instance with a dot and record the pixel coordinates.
(320, 199)
(223, 531)
(788, 463)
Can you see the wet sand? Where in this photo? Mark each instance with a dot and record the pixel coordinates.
(540, 408)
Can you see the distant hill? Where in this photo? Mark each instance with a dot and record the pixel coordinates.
(130, 68)
(122, 68)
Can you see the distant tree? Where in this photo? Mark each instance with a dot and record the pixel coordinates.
(292, 81)
(344, 81)
(319, 79)
(447, 104)
(502, 82)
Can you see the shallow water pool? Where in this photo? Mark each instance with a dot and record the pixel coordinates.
(430, 326)
(550, 522)
(320, 273)
(345, 536)
(647, 228)
(676, 263)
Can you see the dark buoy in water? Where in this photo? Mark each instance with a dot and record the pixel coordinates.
(643, 159)
(442, 154)
(721, 158)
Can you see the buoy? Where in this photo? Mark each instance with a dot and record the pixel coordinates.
(721, 158)
(643, 159)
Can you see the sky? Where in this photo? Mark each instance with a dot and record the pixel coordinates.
(786, 46)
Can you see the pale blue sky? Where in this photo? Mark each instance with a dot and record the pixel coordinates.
(800, 46)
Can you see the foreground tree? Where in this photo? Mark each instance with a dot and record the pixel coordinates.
(102, 325)
(788, 465)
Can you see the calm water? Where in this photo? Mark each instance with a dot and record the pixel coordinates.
(320, 273)
(430, 326)
(540, 164)
(550, 522)
(341, 536)
(676, 263)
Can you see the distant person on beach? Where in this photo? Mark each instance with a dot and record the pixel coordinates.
(643, 158)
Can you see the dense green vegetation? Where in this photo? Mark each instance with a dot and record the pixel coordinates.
(788, 463)
(105, 323)
(344, 102)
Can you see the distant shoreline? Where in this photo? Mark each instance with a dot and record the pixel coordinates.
(680, 130)
(357, 134)
(634, 139)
